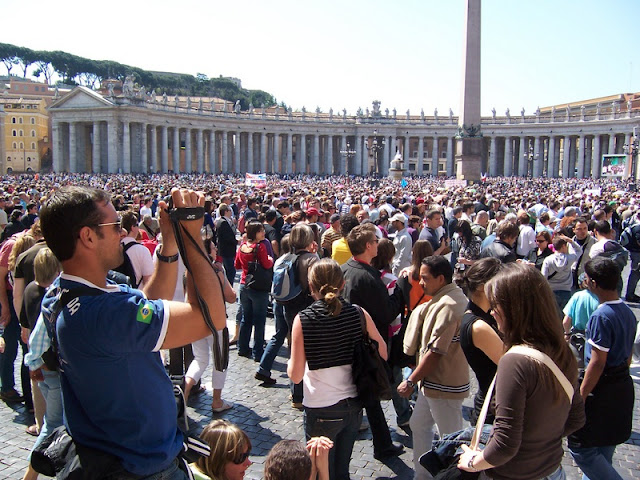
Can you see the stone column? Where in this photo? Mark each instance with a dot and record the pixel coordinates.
(434, 156)
(420, 164)
(289, 166)
(73, 147)
(126, 147)
(155, 165)
(588, 156)
(164, 148)
(250, 166)
(552, 167)
(237, 146)
(276, 153)
(329, 159)
(144, 160)
(301, 157)
(612, 140)
(581, 157)
(538, 157)
(95, 150)
(566, 163)
(522, 162)
(200, 150)
(343, 162)
(493, 158)
(225, 152)
(385, 158)
(112, 146)
(56, 139)
(315, 164)
(357, 160)
(508, 157)
(188, 153)
(595, 159)
(175, 150)
(450, 165)
(213, 157)
(263, 152)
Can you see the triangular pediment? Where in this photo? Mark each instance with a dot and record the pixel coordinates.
(81, 97)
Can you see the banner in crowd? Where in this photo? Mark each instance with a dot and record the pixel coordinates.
(615, 166)
(258, 180)
(455, 183)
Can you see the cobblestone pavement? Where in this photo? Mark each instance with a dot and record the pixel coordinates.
(267, 417)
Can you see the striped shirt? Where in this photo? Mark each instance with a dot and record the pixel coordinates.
(329, 341)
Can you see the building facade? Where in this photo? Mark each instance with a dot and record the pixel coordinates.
(135, 131)
(26, 134)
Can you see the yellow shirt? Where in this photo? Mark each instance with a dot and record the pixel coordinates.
(340, 251)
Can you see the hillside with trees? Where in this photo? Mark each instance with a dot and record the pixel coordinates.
(75, 70)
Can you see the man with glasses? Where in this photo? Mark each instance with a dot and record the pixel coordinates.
(583, 238)
(118, 400)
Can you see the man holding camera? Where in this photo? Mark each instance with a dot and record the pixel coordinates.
(118, 401)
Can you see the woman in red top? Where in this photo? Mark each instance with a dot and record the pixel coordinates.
(254, 302)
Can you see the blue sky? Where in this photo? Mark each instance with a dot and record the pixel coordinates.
(344, 54)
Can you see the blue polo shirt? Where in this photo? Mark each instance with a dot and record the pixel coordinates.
(116, 394)
(611, 329)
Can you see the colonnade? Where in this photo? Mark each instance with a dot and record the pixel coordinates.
(116, 136)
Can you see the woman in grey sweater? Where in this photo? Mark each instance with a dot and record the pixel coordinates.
(556, 268)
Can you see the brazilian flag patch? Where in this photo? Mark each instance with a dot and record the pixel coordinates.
(145, 312)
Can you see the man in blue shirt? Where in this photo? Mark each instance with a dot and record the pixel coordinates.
(607, 388)
(117, 398)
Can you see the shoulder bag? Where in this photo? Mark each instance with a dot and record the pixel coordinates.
(368, 368)
(258, 277)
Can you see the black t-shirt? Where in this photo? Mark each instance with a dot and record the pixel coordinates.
(270, 233)
(31, 300)
(24, 264)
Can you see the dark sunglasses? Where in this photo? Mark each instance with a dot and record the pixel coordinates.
(242, 458)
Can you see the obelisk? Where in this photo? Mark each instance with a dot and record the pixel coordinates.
(469, 137)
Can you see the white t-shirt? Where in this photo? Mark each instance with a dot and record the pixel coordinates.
(140, 259)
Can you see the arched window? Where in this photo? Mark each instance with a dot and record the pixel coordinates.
(21, 133)
(28, 159)
(14, 133)
(8, 159)
(33, 133)
(21, 146)
(13, 119)
(20, 120)
(33, 146)
(33, 121)
(15, 145)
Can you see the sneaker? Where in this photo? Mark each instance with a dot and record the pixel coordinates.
(264, 379)
(11, 396)
(297, 405)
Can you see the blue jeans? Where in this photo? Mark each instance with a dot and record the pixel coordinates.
(596, 463)
(273, 347)
(7, 359)
(634, 275)
(50, 388)
(229, 268)
(340, 423)
(172, 472)
(254, 306)
(400, 404)
(297, 391)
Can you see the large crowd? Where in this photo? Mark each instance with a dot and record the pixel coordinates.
(517, 281)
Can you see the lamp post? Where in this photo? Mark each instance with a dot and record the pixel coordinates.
(349, 153)
(376, 147)
(530, 159)
(632, 150)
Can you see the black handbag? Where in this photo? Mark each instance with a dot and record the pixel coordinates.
(258, 277)
(368, 368)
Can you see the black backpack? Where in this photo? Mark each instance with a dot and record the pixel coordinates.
(126, 268)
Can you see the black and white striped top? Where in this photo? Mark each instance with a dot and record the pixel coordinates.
(329, 341)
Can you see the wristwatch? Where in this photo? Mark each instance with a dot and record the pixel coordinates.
(410, 383)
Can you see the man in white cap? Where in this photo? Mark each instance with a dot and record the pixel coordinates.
(402, 242)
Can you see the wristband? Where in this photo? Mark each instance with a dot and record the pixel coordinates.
(162, 258)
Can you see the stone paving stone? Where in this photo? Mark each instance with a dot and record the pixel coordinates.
(266, 415)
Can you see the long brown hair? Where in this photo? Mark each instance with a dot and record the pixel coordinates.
(421, 250)
(530, 317)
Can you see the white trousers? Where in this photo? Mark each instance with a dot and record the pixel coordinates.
(428, 412)
(202, 350)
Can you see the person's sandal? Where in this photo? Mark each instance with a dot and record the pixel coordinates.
(33, 430)
(225, 406)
